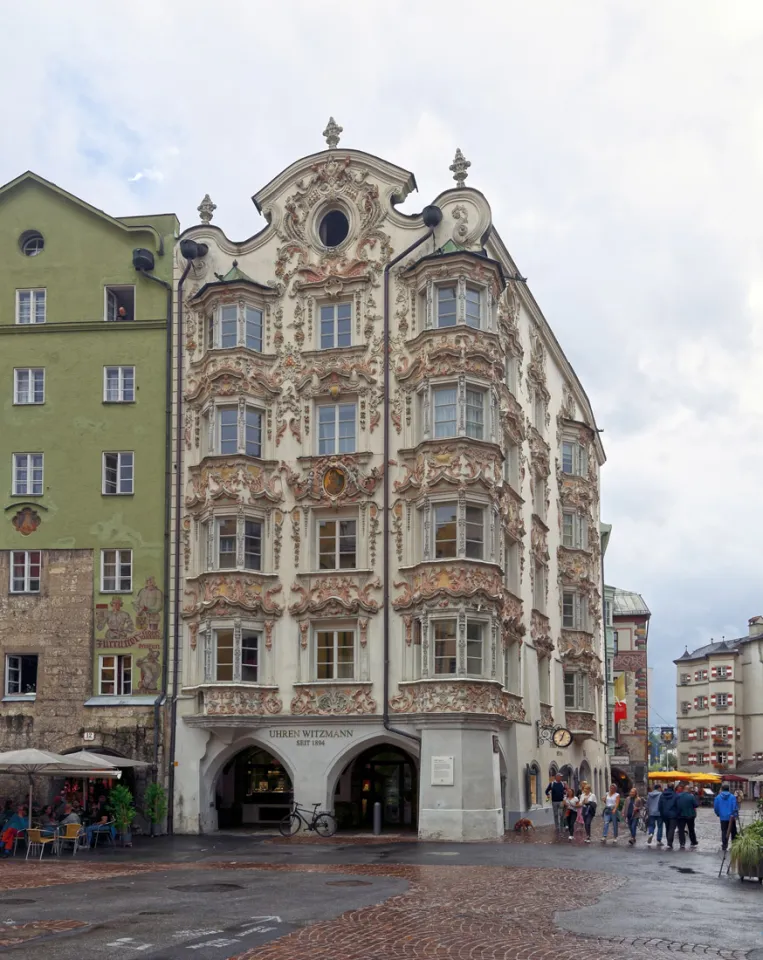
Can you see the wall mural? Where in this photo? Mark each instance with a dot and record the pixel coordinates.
(135, 631)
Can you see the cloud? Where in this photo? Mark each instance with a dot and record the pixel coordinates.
(620, 149)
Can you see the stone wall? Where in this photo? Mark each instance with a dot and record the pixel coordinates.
(57, 625)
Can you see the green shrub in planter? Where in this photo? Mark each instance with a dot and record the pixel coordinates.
(155, 804)
(747, 851)
(121, 808)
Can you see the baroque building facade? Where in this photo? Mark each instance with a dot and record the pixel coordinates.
(719, 690)
(387, 512)
(83, 552)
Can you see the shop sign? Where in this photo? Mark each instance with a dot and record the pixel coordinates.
(620, 761)
(310, 737)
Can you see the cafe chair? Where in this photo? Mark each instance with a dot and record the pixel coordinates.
(74, 834)
(35, 839)
(104, 830)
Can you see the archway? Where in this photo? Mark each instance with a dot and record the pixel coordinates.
(553, 769)
(567, 776)
(385, 774)
(253, 789)
(621, 780)
(89, 796)
(585, 772)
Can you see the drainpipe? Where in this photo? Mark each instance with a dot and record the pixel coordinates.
(167, 493)
(190, 250)
(432, 216)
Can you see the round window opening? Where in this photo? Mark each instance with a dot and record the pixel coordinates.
(333, 228)
(31, 243)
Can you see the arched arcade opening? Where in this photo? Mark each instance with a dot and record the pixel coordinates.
(253, 789)
(385, 774)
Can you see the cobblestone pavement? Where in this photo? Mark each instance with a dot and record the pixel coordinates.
(13, 934)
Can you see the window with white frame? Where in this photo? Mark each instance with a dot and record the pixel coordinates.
(116, 571)
(336, 325)
(337, 428)
(30, 306)
(574, 611)
(475, 652)
(575, 691)
(539, 497)
(574, 530)
(724, 732)
(233, 434)
(235, 325)
(119, 473)
(21, 675)
(335, 654)
(540, 575)
(511, 668)
(722, 700)
(229, 666)
(115, 675)
(120, 303)
(26, 566)
(445, 634)
(119, 384)
(446, 648)
(447, 305)
(722, 672)
(234, 537)
(574, 458)
(29, 385)
(446, 518)
(337, 544)
(722, 756)
(27, 474)
(473, 307)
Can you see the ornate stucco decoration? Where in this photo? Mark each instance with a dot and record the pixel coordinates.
(312, 485)
(436, 354)
(580, 722)
(333, 701)
(540, 454)
(231, 376)
(233, 479)
(240, 702)
(434, 696)
(221, 592)
(508, 322)
(334, 596)
(331, 133)
(539, 541)
(512, 417)
(454, 462)
(536, 372)
(540, 633)
(26, 521)
(459, 168)
(546, 715)
(510, 504)
(511, 617)
(448, 582)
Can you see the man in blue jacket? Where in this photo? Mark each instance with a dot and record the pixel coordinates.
(556, 789)
(727, 810)
(668, 807)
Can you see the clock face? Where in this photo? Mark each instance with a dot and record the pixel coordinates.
(562, 737)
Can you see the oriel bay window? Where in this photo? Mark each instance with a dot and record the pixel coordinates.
(575, 691)
(574, 458)
(456, 528)
(574, 531)
(335, 654)
(232, 654)
(235, 325)
(234, 543)
(446, 647)
(235, 429)
(457, 302)
(458, 409)
(574, 611)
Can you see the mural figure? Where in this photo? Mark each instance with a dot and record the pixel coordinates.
(150, 668)
(148, 605)
(118, 622)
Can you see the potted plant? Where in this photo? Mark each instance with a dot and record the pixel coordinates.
(121, 808)
(747, 852)
(155, 804)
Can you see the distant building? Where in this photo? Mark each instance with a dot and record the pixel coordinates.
(630, 704)
(719, 694)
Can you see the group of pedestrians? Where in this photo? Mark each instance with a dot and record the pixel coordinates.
(667, 811)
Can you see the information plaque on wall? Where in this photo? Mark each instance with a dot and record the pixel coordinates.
(442, 771)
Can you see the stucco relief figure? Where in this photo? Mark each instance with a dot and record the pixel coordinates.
(150, 668)
(148, 605)
(116, 621)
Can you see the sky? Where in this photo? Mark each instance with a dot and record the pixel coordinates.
(620, 146)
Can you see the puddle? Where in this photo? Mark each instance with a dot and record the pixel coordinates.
(207, 887)
(348, 883)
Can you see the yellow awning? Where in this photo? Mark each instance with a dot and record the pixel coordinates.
(688, 777)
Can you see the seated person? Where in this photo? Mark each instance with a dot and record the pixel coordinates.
(69, 817)
(48, 822)
(13, 827)
(102, 826)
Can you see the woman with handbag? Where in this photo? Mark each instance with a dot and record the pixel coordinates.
(571, 804)
(611, 812)
(587, 808)
(633, 813)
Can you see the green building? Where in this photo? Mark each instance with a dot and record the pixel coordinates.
(84, 465)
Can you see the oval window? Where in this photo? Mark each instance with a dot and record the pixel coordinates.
(31, 243)
(333, 228)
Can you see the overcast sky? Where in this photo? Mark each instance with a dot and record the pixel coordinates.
(620, 146)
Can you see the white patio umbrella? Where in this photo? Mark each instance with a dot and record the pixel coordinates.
(42, 763)
(120, 763)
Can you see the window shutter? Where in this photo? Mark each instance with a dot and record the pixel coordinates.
(739, 733)
(730, 699)
(712, 700)
(712, 731)
(696, 703)
(714, 671)
(712, 758)
(729, 672)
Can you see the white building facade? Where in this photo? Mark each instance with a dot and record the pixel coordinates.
(720, 706)
(313, 664)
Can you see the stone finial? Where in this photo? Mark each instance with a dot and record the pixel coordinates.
(206, 208)
(331, 133)
(459, 167)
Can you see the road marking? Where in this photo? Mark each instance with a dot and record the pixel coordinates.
(245, 933)
(130, 943)
(222, 942)
(193, 934)
(268, 919)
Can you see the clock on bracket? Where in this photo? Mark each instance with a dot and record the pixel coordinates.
(562, 737)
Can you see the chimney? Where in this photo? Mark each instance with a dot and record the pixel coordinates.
(756, 626)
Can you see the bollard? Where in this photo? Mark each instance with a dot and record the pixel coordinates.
(377, 818)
